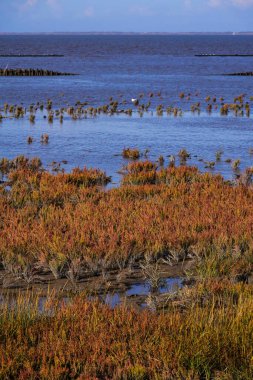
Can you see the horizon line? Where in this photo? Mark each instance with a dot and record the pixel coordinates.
(129, 33)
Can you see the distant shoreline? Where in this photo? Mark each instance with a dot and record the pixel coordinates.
(130, 33)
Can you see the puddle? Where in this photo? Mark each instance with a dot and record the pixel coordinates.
(138, 290)
(113, 300)
(168, 285)
(141, 290)
(171, 285)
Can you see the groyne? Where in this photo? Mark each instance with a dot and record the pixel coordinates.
(31, 72)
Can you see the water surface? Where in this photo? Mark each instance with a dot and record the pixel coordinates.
(123, 67)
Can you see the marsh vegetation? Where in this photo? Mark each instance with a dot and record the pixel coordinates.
(240, 106)
(64, 229)
(70, 226)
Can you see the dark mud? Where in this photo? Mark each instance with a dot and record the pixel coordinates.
(131, 285)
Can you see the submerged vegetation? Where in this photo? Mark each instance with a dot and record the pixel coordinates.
(133, 154)
(44, 139)
(152, 103)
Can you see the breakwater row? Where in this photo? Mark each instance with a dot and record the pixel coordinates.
(246, 74)
(31, 72)
(30, 55)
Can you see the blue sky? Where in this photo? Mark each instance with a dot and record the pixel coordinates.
(126, 15)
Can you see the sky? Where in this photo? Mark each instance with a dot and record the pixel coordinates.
(126, 15)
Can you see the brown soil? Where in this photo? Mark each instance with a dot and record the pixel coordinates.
(112, 282)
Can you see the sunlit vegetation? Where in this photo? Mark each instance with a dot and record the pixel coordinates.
(209, 164)
(240, 106)
(32, 118)
(71, 227)
(20, 163)
(208, 334)
(161, 160)
(235, 164)
(133, 154)
(184, 156)
(44, 139)
(218, 155)
(53, 221)
(68, 224)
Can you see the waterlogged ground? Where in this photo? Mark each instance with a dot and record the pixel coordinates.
(98, 142)
(124, 67)
(113, 288)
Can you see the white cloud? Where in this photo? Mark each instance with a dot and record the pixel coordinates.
(215, 3)
(54, 5)
(88, 11)
(222, 3)
(30, 3)
(188, 3)
(141, 10)
(243, 3)
(226, 3)
(27, 5)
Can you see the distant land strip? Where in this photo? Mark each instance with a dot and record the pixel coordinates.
(223, 55)
(30, 73)
(31, 55)
(129, 33)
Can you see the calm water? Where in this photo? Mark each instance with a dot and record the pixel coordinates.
(170, 285)
(127, 66)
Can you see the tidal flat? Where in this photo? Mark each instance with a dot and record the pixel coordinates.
(159, 241)
(126, 193)
(64, 229)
